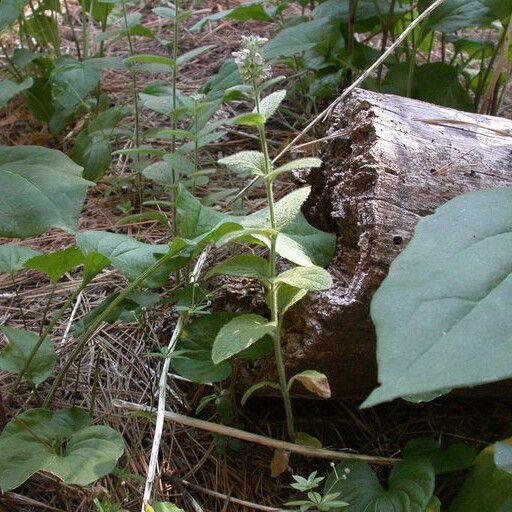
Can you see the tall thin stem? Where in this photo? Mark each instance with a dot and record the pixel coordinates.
(273, 303)
(175, 49)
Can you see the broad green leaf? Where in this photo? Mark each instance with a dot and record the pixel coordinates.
(10, 10)
(159, 172)
(128, 255)
(487, 488)
(270, 103)
(94, 263)
(180, 163)
(287, 296)
(298, 241)
(410, 487)
(56, 264)
(301, 163)
(313, 381)
(298, 38)
(193, 356)
(43, 186)
(256, 387)
(252, 162)
(455, 15)
(243, 265)
(503, 456)
(9, 89)
(447, 89)
(20, 344)
(456, 457)
(307, 278)
(154, 63)
(239, 334)
(13, 257)
(500, 8)
(59, 442)
(93, 153)
(252, 10)
(439, 314)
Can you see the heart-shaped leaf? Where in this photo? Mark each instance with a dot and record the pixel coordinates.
(59, 442)
(43, 186)
(439, 314)
(56, 264)
(15, 355)
(410, 487)
(456, 457)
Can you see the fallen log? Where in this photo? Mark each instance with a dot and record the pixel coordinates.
(388, 161)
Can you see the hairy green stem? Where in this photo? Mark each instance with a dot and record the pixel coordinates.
(86, 336)
(274, 310)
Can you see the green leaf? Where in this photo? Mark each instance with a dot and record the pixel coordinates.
(180, 163)
(503, 456)
(249, 119)
(301, 163)
(410, 488)
(13, 257)
(9, 89)
(488, 488)
(60, 443)
(270, 103)
(43, 186)
(239, 334)
(94, 263)
(128, 255)
(299, 38)
(307, 278)
(243, 265)
(159, 172)
(313, 381)
(252, 162)
(10, 10)
(447, 89)
(456, 457)
(253, 10)
(287, 296)
(439, 313)
(56, 264)
(93, 153)
(306, 439)
(256, 387)
(500, 8)
(193, 356)
(164, 506)
(154, 63)
(192, 54)
(14, 356)
(455, 15)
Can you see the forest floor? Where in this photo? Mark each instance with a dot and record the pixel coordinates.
(114, 364)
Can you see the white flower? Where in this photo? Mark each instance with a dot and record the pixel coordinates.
(251, 63)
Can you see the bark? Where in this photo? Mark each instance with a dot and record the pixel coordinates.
(389, 162)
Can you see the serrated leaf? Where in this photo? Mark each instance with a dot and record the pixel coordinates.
(59, 442)
(270, 103)
(43, 186)
(14, 356)
(13, 257)
(244, 265)
(439, 313)
(410, 487)
(487, 488)
(56, 264)
(239, 334)
(315, 382)
(308, 278)
(456, 457)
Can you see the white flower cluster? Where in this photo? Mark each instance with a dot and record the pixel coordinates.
(250, 61)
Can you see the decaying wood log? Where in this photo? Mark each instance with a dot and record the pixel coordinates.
(389, 161)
